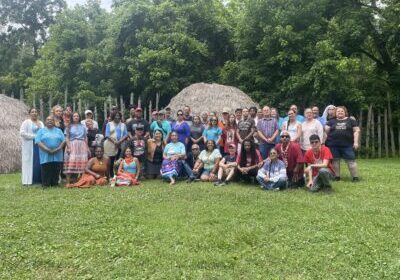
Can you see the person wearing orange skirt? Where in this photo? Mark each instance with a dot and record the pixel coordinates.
(128, 171)
(96, 171)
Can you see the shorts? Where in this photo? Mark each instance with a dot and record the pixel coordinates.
(346, 153)
(206, 172)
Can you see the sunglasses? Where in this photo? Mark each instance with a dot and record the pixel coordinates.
(314, 142)
(180, 114)
(285, 136)
(194, 149)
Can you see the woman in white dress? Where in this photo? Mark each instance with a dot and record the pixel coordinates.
(30, 151)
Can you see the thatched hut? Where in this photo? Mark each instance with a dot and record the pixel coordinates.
(211, 97)
(12, 113)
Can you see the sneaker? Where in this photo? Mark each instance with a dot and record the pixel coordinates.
(356, 179)
(315, 188)
(222, 184)
(218, 183)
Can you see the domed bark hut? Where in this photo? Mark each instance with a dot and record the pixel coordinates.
(211, 98)
(13, 112)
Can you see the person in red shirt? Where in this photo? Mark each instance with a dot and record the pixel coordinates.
(320, 171)
(290, 153)
(248, 161)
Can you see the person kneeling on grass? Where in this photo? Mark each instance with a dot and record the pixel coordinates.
(227, 166)
(272, 176)
(128, 171)
(96, 172)
(249, 160)
(320, 171)
(209, 158)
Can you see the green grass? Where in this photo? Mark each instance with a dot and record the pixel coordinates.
(201, 232)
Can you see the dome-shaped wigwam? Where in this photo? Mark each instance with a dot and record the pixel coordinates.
(202, 97)
(12, 113)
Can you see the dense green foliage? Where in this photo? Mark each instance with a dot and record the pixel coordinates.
(199, 231)
(280, 52)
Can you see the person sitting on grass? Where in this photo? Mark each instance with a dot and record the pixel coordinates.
(320, 171)
(173, 157)
(192, 158)
(96, 171)
(249, 160)
(209, 159)
(227, 166)
(272, 176)
(129, 170)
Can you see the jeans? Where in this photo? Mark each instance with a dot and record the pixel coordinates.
(265, 148)
(188, 169)
(280, 184)
(322, 180)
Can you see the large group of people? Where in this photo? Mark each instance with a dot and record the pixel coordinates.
(256, 146)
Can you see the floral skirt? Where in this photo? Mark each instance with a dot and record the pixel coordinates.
(170, 168)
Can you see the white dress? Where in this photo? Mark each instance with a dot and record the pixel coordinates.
(28, 135)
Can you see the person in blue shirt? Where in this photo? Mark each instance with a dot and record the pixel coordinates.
(299, 117)
(173, 156)
(212, 132)
(51, 141)
(162, 125)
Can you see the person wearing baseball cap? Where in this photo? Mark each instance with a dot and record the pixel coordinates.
(89, 116)
(161, 124)
(227, 166)
(136, 121)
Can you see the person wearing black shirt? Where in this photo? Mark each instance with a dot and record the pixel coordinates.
(192, 157)
(342, 139)
(227, 166)
(138, 121)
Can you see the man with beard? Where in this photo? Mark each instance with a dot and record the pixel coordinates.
(290, 153)
(246, 128)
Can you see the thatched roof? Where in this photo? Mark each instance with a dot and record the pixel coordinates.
(12, 114)
(211, 97)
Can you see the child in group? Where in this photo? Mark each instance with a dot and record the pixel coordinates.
(227, 166)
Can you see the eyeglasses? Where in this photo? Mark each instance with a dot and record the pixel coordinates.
(180, 114)
(285, 136)
(314, 142)
(194, 149)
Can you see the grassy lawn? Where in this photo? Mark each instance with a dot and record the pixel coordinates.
(199, 231)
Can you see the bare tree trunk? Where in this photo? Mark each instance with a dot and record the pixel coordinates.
(109, 102)
(66, 97)
(360, 124)
(34, 100)
(157, 100)
(105, 110)
(372, 133)
(95, 113)
(368, 131)
(379, 134)
(74, 105)
(390, 119)
(139, 102)
(131, 99)
(12, 94)
(50, 102)
(41, 106)
(121, 102)
(80, 106)
(385, 117)
(150, 107)
(21, 95)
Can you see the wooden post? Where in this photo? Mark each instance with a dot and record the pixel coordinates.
(50, 101)
(361, 127)
(379, 134)
(390, 120)
(66, 97)
(41, 106)
(121, 102)
(80, 106)
(368, 131)
(139, 102)
(157, 100)
(12, 94)
(131, 99)
(3, 91)
(150, 107)
(95, 113)
(74, 105)
(21, 95)
(116, 102)
(385, 118)
(109, 102)
(105, 110)
(145, 114)
(34, 100)
(372, 133)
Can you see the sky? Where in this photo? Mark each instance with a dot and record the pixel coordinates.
(104, 3)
